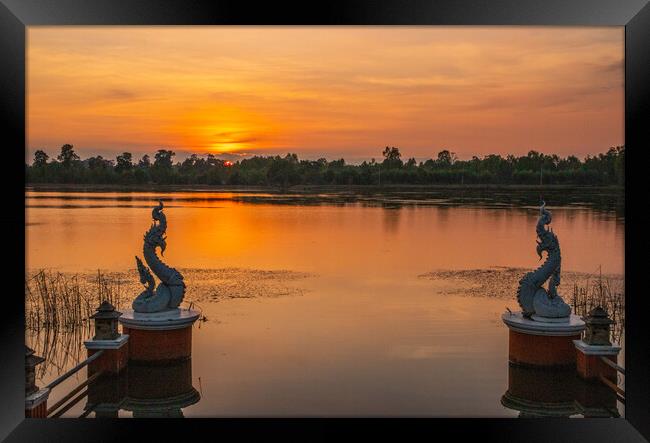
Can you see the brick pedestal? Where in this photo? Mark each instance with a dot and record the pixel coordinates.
(159, 337)
(589, 363)
(35, 398)
(114, 357)
(159, 345)
(542, 350)
(36, 404)
(541, 344)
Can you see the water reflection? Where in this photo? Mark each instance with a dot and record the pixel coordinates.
(391, 219)
(599, 199)
(365, 334)
(147, 391)
(544, 392)
(61, 347)
(317, 238)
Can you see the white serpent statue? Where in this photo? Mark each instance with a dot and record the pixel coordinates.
(171, 289)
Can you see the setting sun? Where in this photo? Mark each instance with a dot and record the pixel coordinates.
(335, 93)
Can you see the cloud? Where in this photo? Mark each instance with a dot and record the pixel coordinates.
(119, 94)
(343, 88)
(615, 67)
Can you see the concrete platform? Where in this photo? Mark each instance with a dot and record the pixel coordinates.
(165, 320)
(516, 322)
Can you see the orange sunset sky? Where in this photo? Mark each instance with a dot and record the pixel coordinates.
(325, 91)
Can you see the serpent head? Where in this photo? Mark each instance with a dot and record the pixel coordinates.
(547, 241)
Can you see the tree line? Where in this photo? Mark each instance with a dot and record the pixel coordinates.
(284, 171)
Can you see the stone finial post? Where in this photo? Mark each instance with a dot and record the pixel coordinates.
(109, 340)
(31, 361)
(595, 346)
(35, 398)
(598, 325)
(106, 322)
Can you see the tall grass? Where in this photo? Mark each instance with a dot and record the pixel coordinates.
(58, 307)
(61, 301)
(604, 292)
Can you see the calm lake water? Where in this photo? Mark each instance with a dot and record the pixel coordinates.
(326, 304)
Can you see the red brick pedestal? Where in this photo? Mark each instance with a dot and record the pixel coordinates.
(542, 350)
(36, 404)
(114, 357)
(159, 337)
(35, 398)
(159, 345)
(542, 344)
(589, 363)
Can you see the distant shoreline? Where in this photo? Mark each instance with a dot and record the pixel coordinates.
(310, 188)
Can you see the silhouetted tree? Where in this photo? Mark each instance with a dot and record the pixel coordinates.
(619, 165)
(392, 157)
(124, 162)
(40, 159)
(602, 169)
(144, 162)
(161, 172)
(446, 158)
(163, 159)
(283, 171)
(67, 155)
(99, 162)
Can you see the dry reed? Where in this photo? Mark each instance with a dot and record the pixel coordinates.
(600, 291)
(58, 307)
(59, 301)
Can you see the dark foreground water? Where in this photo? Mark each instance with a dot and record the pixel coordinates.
(326, 304)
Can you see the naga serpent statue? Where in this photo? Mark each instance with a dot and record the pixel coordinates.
(171, 289)
(531, 296)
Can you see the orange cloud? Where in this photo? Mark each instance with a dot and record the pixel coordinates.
(326, 91)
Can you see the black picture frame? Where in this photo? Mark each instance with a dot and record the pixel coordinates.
(16, 15)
